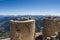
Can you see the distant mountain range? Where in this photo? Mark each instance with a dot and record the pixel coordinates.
(5, 21)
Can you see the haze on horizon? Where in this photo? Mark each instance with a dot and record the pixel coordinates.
(29, 7)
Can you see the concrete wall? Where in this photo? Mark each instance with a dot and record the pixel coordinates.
(22, 30)
(50, 27)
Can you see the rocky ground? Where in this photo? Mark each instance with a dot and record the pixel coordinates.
(5, 39)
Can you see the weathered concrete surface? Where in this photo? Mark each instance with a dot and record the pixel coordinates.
(22, 30)
(51, 25)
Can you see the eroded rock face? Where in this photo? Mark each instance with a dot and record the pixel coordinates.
(22, 30)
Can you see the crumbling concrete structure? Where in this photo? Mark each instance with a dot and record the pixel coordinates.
(51, 25)
(22, 29)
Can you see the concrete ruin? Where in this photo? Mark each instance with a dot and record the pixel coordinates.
(51, 26)
(22, 29)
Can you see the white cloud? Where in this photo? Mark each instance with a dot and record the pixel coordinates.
(54, 13)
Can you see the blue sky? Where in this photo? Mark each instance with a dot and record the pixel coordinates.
(29, 7)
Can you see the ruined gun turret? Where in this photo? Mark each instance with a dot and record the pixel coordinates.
(22, 29)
